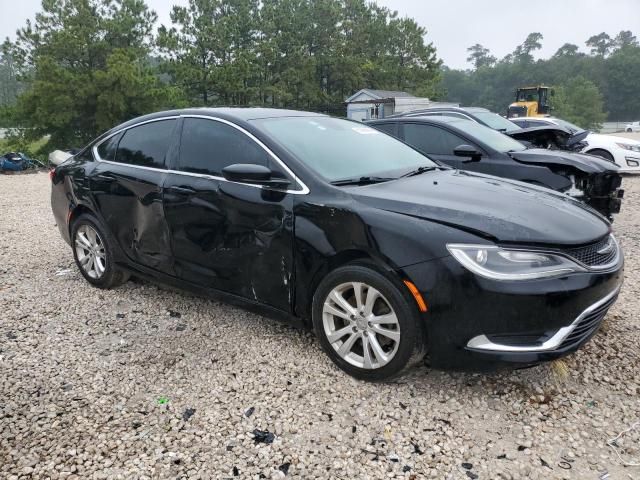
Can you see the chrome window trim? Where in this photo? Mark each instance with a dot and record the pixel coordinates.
(303, 191)
(482, 342)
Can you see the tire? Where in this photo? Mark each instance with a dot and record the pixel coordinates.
(393, 357)
(629, 130)
(94, 256)
(602, 154)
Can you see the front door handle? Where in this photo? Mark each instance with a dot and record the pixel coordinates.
(105, 178)
(183, 190)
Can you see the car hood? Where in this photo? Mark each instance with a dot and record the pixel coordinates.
(504, 211)
(563, 136)
(610, 139)
(583, 162)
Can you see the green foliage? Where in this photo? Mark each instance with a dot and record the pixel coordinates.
(293, 53)
(480, 56)
(9, 84)
(579, 101)
(600, 44)
(613, 70)
(85, 66)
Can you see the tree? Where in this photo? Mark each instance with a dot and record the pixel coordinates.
(579, 101)
(85, 66)
(523, 53)
(600, 44)
(9, 85)
(308, 54)
(480, 56)
(567, 50)
(625, 39)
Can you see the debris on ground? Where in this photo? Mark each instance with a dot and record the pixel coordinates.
(188, 413)
(249, 411)
(162, 401)
(263, 436)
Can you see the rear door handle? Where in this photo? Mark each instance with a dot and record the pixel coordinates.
(183, 190)
(105, 178)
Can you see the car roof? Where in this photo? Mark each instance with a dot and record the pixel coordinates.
(454, 109)
(229, 113)
(234, 114)
(425, 119)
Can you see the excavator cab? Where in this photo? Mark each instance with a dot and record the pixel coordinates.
(531, 102)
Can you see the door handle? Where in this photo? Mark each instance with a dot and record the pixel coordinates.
(105, 178)
(183, 190)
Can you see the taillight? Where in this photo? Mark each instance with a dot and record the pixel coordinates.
(52, 173)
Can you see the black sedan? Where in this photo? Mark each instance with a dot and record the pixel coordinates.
(331, 223)
(468, 145)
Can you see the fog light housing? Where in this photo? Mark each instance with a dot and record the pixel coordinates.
(631, 162)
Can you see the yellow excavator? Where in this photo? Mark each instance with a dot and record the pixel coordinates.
(531, 102)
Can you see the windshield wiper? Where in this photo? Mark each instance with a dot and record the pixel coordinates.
(418, 171)
(361, 181)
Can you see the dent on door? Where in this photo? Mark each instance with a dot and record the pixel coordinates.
(130, 203)
(234, 238)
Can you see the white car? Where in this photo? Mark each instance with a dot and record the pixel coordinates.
(632, 127)
(624, 152)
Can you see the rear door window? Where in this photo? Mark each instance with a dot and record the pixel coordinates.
(431, 140)
(208, 146)
(146, 145)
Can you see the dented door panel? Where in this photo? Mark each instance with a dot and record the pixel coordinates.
(130, 202)
(231, 237)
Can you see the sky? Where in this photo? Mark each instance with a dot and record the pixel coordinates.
(454, 25)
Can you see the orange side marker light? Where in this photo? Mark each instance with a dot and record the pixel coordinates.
(422, 305)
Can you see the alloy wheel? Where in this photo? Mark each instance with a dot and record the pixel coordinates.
(90, 251)
(361, 325)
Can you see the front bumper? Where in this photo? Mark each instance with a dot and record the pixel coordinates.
(479, 324)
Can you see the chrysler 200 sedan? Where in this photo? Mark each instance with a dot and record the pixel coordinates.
(333, 224)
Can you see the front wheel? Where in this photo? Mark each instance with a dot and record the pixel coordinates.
(93, 253)
(367, 324)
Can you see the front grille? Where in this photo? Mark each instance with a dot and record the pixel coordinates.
(589, 255)
(588, 325)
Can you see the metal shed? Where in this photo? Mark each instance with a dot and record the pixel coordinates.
(368, 104)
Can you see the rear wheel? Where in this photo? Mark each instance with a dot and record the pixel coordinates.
(366, 324)
(94, 254)
(602, 154)
(629, 130)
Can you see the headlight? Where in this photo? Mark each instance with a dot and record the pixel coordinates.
(630, 147)
(499, 264)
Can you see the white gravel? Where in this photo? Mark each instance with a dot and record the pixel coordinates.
(87, 394)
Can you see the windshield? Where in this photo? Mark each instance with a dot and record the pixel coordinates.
(496, 122)
(340, 149)
(492, 138)
(568, 125)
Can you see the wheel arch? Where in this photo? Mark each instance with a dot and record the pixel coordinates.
(344, 257)
(75, 212)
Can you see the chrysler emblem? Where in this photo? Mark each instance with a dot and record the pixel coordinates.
(607, 248)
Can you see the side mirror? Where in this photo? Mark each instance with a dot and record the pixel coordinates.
(469, 152)
(253, 174)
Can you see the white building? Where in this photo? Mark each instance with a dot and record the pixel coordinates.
(369, 104)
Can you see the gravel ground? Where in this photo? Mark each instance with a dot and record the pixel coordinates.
(142, 382)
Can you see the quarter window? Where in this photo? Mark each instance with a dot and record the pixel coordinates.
(107, 149)
(208, 146)
(390, 128)
(146, 145)
(431, 140)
